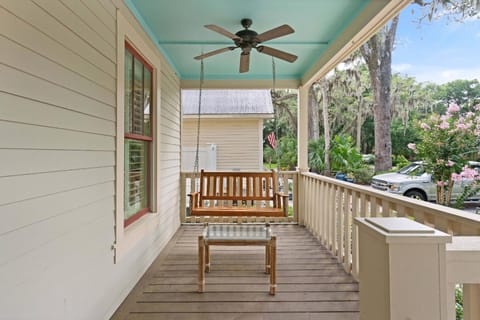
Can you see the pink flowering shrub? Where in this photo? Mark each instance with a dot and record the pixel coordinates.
(447, 142)
(470, 179)
(466, 174)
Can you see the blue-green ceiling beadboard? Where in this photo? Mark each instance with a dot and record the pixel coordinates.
(177, 27)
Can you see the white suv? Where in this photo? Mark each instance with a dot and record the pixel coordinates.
(412, 181)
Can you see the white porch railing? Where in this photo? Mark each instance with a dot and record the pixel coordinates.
(288, 182)
(328, 206)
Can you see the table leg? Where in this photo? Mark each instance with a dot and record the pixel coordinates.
(201, 264)
(273, 263)
(207, 258)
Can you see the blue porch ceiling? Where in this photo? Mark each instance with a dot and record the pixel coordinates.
(177, 27)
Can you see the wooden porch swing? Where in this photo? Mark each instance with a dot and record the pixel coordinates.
(238, 194)
(241, 194)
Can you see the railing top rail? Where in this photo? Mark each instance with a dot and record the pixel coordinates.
(433, 208)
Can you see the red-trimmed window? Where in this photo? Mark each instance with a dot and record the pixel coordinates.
(138, 135)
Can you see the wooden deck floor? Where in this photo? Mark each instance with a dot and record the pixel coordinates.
(310, 283)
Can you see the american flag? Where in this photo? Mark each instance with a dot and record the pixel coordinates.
(271, 140)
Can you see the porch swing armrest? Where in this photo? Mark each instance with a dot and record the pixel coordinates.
(281, 199)
(194, 199)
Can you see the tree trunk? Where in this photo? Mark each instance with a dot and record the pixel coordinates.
(326, 125)
(377, 53)
(313, 115)
(359, 125)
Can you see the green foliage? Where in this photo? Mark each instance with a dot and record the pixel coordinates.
(368, 137)
(290, 211)
(343, 155)
(464, 92)
(468, 191)
(400, 161)
(316, 155)
(458, 303)
(269, 155)
(401, 136)
(368, 158)
(287, 152)
(269, 166)
(364, 175)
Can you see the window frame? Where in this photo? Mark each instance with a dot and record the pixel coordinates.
(143, 138)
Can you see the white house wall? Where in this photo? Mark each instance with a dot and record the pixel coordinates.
(57, 162)
(239, 141)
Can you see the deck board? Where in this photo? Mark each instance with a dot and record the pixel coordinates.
(310, 283)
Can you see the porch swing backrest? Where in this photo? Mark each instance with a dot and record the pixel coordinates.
(239, 194)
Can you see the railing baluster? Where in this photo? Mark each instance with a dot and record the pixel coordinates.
(330, 214)
(363, 205)
(408, 212)
(354, 240)
(316, 212)
(308, 207)
(386, 210)
(324, 206)
(347, 223)
(400, 210)
(339, 217)
(373, 206)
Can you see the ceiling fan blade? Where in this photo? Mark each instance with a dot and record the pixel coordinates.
(244, 62)
(222, 31)
(275, 33)
(277, 53)
(214, 52)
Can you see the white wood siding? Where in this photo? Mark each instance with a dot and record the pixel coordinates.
(58, 105)
(239, 141)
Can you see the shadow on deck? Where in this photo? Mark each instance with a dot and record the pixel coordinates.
(310, 283)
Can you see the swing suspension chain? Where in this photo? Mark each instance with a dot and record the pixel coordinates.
(195, 165)
(275, 116)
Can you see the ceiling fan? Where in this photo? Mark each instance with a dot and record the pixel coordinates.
(248, 39)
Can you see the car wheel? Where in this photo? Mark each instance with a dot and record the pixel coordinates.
(415, 195)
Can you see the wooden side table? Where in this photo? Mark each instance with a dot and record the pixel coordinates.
(228, 234)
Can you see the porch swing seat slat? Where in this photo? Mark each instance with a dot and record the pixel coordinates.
(238, 194)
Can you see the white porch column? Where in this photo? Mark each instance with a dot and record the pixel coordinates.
(402, 270)
(302, 149)
(302, 129)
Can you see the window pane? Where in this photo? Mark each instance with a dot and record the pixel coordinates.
(147, 101)
(128, 90)
(136, 164)
(138, 98)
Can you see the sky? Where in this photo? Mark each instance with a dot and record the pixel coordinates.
(439, 51)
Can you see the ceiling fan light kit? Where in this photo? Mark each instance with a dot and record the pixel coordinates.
(248, 39)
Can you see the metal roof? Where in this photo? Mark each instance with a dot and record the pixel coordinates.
(227, 102)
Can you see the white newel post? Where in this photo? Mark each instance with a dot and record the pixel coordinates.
(463, 267)
(402, 270)
(471, 301)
